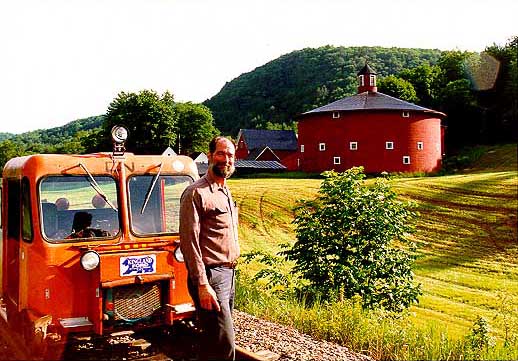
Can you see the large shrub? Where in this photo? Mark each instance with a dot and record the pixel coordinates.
(353, 240)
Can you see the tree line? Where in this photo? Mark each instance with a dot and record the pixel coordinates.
(478, 93)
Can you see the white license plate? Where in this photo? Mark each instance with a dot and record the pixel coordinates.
(137, 265)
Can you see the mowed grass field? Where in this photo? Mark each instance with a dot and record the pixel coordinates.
(467, 236)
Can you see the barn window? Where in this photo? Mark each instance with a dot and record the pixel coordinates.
(420, 146)
(372, 80)
(336, 115)
(322, 146)
(353, 145)
(302, 148)
(389, 145)
(406, 159)
(336, 160)
(405, 114)
(361, 80)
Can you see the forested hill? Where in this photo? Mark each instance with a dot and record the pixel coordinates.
(302, 80)
(50, 140)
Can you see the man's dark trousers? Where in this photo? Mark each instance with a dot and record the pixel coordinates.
(217, 341)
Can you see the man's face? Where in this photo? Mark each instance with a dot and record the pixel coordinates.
(222, 160)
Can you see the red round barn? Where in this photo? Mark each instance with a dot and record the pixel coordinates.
(373, 130)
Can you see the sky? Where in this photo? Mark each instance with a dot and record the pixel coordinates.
(62, 60)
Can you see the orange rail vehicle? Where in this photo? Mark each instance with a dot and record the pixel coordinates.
(90, 242)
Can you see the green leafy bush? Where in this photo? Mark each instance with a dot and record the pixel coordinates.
(351, 241)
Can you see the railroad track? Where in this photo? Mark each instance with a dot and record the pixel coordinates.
(176, 343)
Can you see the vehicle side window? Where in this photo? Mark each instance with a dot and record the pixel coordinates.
(13, 211)
(26, 211)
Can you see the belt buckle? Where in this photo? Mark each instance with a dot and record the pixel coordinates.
(232, 264)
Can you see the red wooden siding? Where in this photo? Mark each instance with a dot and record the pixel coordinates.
(242, 150)
(370, 129)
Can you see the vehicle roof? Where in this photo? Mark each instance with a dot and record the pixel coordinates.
(37, 165)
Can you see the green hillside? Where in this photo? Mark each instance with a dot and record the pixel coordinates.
(467, 233)
(56, 135)
(302, 80)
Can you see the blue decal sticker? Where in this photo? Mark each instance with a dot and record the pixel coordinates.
(137, 265)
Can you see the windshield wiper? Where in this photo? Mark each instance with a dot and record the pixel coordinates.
(151, 187)
(96, 187)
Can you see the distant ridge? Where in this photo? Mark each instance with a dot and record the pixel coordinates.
(56, 135)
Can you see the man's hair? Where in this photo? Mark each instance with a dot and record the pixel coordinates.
(214, 142)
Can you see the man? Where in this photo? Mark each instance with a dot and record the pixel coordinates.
(209, 243)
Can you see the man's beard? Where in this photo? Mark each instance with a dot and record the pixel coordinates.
(224, 171)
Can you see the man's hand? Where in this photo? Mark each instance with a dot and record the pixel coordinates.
(208, 298)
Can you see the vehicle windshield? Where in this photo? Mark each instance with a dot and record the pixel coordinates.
(71, 209)
(155, 203)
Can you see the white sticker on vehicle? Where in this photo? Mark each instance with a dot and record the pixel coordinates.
(137, 265)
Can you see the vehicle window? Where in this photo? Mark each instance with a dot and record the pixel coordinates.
(13, 211)
(1, 209)
(26, 211)
(155, 203)
(74, 208)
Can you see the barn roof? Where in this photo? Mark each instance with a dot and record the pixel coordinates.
(371, 101)
(248, 166)
(274, 139)
(259, 164)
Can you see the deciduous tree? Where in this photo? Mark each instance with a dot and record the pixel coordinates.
(398, 88)
(349, 242)
(195, 127)
(149, 117)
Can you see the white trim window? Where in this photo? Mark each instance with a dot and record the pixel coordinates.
(336, 160)
(420, 146)
(353, 145)
(405, 114)
(361, 80)
(302, 148)
(321, 146)
(372, 80)
(336, 115)
(406, 159)
(389, 145)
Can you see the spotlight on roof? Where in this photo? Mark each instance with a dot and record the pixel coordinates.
(119, 136)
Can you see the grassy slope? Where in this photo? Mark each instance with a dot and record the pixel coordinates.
(467, 232)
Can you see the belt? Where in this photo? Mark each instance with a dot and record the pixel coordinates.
(230, 265)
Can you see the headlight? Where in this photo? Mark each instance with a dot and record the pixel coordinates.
(90, 260)
(178, 255)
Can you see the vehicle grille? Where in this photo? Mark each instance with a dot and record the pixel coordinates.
(136, 301)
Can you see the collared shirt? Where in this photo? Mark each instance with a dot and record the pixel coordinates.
(208, 227)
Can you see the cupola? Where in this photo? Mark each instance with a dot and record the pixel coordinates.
(367, 80)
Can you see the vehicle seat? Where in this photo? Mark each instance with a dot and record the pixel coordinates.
(50, 219)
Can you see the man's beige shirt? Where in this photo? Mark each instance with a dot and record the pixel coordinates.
(208, 227)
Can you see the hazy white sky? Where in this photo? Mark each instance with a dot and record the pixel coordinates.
(62, 60)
